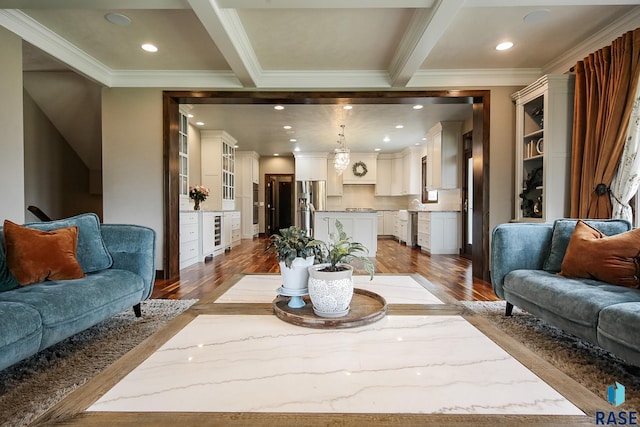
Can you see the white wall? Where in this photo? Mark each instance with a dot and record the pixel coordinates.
(11, 129)
(132, 152)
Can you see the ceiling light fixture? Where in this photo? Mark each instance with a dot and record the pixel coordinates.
(399, 126)
(418, 107)
(347, 107)
(292, 140)
(276, 154)
(341, 159)
(504, 46)
(200, 123)
(536, 16)
(149, 47)
(279, 107)
(286, 127)
(118, 19)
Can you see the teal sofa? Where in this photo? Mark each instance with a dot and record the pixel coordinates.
(525, 260)
(119, 266)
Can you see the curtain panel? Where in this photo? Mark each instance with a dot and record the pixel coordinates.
(606, 83)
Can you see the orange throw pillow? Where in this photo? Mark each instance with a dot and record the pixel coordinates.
(612, 259)
(34, 256)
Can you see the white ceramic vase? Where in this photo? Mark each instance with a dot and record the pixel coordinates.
(297, 276)
(330, 291)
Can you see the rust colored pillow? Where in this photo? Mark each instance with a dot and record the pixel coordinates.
(34, 256)
(612, 259)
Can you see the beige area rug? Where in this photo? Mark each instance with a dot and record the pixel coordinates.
(29, 388)
(586, 363)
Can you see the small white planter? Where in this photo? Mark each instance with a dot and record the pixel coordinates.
(296, 277)
(330, 291)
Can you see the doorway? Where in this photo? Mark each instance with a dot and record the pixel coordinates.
(479, 99)
(467, 196)
(279, 202)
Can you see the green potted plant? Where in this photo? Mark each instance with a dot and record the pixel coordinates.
(331, 280)
(295, 251)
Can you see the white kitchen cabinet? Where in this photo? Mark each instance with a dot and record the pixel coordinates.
(383, 176)
(334, 180)
(412, 169)
(390, 219)
(380, 223)
(311, 166)
(444, 142)
(438, 232)
(362, 227)
(189, 238)
(403, 226)
(218, 168)
(397, 174)
(247, 171)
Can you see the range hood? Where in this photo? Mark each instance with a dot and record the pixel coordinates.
(361, 169)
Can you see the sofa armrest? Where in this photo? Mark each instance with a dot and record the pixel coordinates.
(518, 246)
(132, 248)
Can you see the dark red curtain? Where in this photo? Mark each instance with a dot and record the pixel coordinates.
(605, 87)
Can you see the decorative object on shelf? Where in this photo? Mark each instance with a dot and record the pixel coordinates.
(331, 281)
(295, 252)
(199, 194)
(537, 208)
(341, 159)
(540, 146)
(359, 169)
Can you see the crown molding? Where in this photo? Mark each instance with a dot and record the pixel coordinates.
(475, 77)
(628, 22)
(40, 36)
(176, 79)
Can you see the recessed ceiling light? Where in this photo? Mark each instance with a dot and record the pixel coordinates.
(296, 149)
(377, 149)
(236, 146)
(348, 107)
(118, 19)
(292, 140)
(200, 123)
(399, 126)
(417, 143)
(279, 107)
(286, 127)
(536, 16)
(386, 139)
(276, 154)
(149, 47)
(190, 115)
(418, 107)
(504, 46)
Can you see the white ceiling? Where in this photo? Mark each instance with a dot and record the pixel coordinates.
(315, 45)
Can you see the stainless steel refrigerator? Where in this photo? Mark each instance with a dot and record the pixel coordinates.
(312, 196)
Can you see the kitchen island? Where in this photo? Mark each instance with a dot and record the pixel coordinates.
(360, 225)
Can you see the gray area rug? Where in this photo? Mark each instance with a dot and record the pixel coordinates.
(586, 363)
(29, 388)
(32, 386)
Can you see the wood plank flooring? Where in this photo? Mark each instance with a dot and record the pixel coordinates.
(450, 272)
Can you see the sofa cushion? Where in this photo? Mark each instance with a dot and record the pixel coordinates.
(619, 330)
(7, 280)
(611, 259)
(562, 230)
(34, 256)
(571, 304)
(21, 332)
(70, 306)
(92, 252)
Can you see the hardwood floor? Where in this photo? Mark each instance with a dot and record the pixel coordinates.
(451, 272)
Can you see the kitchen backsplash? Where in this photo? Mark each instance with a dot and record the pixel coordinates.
(363, 196)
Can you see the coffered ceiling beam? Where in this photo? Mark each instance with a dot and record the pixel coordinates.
(424, 31)
(324, 4)
(226, 31)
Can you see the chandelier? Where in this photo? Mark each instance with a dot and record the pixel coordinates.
(341, 159)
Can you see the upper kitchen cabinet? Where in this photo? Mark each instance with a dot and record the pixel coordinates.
(218, 168)
(384, 175)
(411, 171)
(311, 166)
(362, 169)
(544, 115)
(444, 142)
